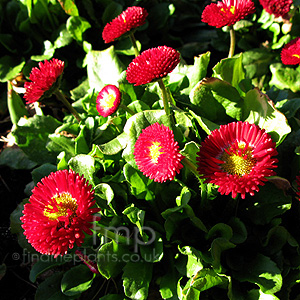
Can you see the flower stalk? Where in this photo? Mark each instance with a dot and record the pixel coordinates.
(62, 98)
(232, 42)
(134, 44)
(166, 101)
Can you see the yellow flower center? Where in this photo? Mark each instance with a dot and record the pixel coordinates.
(239, 162)
(231, 9)
(65, 203)
(154, 151)
(296, 55)
(108, 100)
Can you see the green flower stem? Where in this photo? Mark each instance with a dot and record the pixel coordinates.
(62, 98)
(126, 108)
(114, 236)
(232, 42)
(165, 101)
(133, 41)
(191, 166)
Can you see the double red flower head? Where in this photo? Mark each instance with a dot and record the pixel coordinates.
(237, 157)
(152, 64)
(44, 80)
(227, 12)
(127, 21)
(59, 213)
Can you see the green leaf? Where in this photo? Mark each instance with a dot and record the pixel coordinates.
(167, 286)
(104, 191)
(10, 67)
(204, 123)
(15, 158)
(290, 107)
(139, 183)
(77, 280)
(84, 165)
(231, 70)
(192, 261)
(115, 145)
(226, 95)
(190, 151)
(195, 72)
(69, 7)
(76, 26)
(220, 229)
(260, 111)
(138, 106)
(16, 106)
(103, 67)
(257, 62)
(136, 279)
(48, 53)
(153, 251)
(111, 258)
(42, 171)
(239, 231)
(219, 245)
(136, 217)
(284, 77)
(81, 144)
(270, 202)
(44, 263)
(50, 289)
(32, 136)
(262, 271)
(202, 281)
(58, 143)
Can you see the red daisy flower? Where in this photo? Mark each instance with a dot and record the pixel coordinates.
(157, 153)
(129, 19)
(290, 53)
(108, 100)
(227, 12)
(152, 64)
(58, 213)
(237, 157)
(44, 80)
(279, 8)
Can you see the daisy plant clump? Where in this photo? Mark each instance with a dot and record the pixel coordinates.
(278, 8)
(237, 157)
(152, 65)
(227, 13)
(157, 153)
(59, 213)
(290, 53)
(45, 81)
(125, 24)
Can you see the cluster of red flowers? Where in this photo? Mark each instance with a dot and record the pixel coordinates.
(237, 157)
